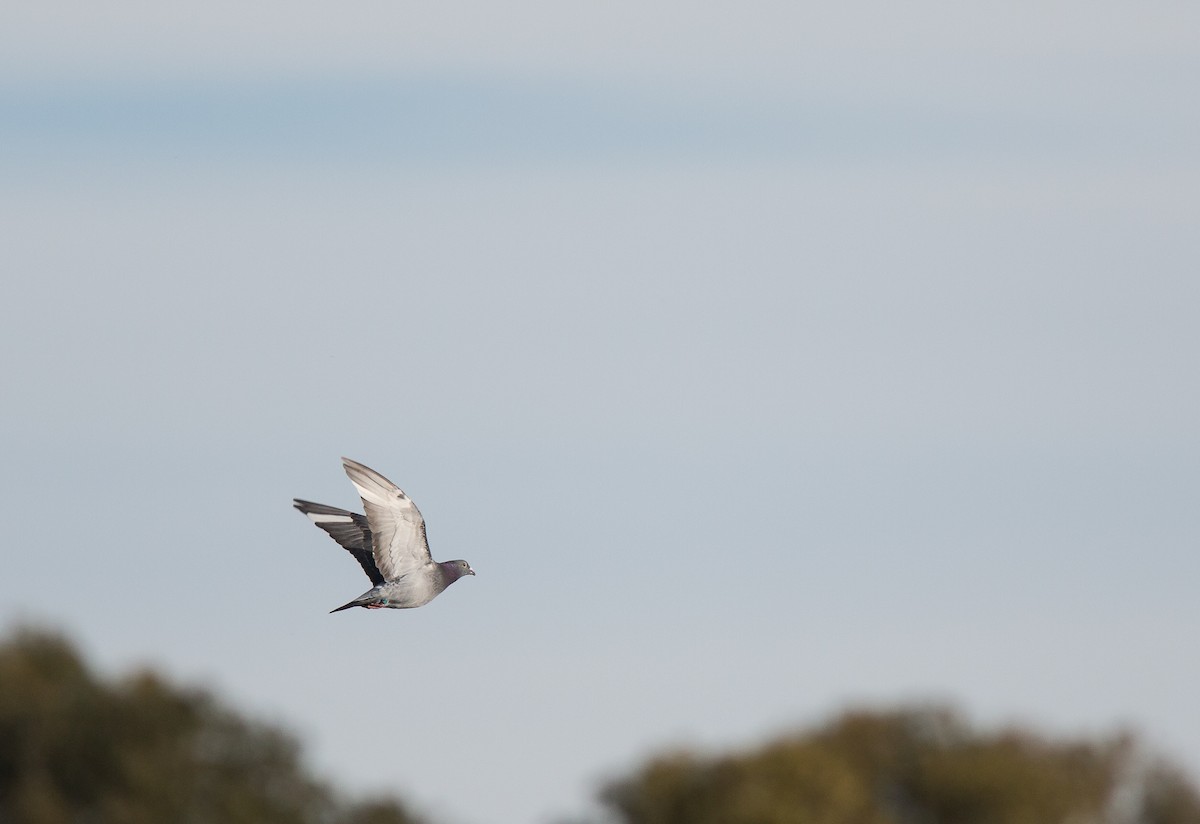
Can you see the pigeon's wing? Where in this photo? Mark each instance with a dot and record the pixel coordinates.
(398, 530)
(349, 529)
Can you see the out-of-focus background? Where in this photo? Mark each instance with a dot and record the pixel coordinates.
(764, 359)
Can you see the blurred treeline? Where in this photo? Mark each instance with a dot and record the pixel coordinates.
(75, 749)
(919, 766)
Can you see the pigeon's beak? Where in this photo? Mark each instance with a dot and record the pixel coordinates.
(470, 571)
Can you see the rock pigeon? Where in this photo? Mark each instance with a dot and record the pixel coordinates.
(389, 543)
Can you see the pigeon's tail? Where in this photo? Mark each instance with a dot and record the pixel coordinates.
(367, 599)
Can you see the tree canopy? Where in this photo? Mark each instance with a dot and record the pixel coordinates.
(77, 749)
(74, 748)
(913, 766)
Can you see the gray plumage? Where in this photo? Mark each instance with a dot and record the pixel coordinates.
(388, 542)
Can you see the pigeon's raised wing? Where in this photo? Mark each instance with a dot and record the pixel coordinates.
(349, 529)
(398, 530)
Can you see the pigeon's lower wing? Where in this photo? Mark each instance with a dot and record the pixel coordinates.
(349, 529)
(398, 530)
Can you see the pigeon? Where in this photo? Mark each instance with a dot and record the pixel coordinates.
(389, 543)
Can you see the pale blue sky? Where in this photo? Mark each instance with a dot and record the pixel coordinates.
(761, 362)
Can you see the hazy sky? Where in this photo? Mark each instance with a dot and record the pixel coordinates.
(761, 359)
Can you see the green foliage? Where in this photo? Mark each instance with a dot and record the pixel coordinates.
(920, 766)
(78, 750)
(75, 749)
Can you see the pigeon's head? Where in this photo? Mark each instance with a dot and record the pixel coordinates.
(456, 569)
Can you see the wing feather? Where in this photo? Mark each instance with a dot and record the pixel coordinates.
(399, 544)
(349, 529)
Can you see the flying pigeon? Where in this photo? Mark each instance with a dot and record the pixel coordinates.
(389, 543)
